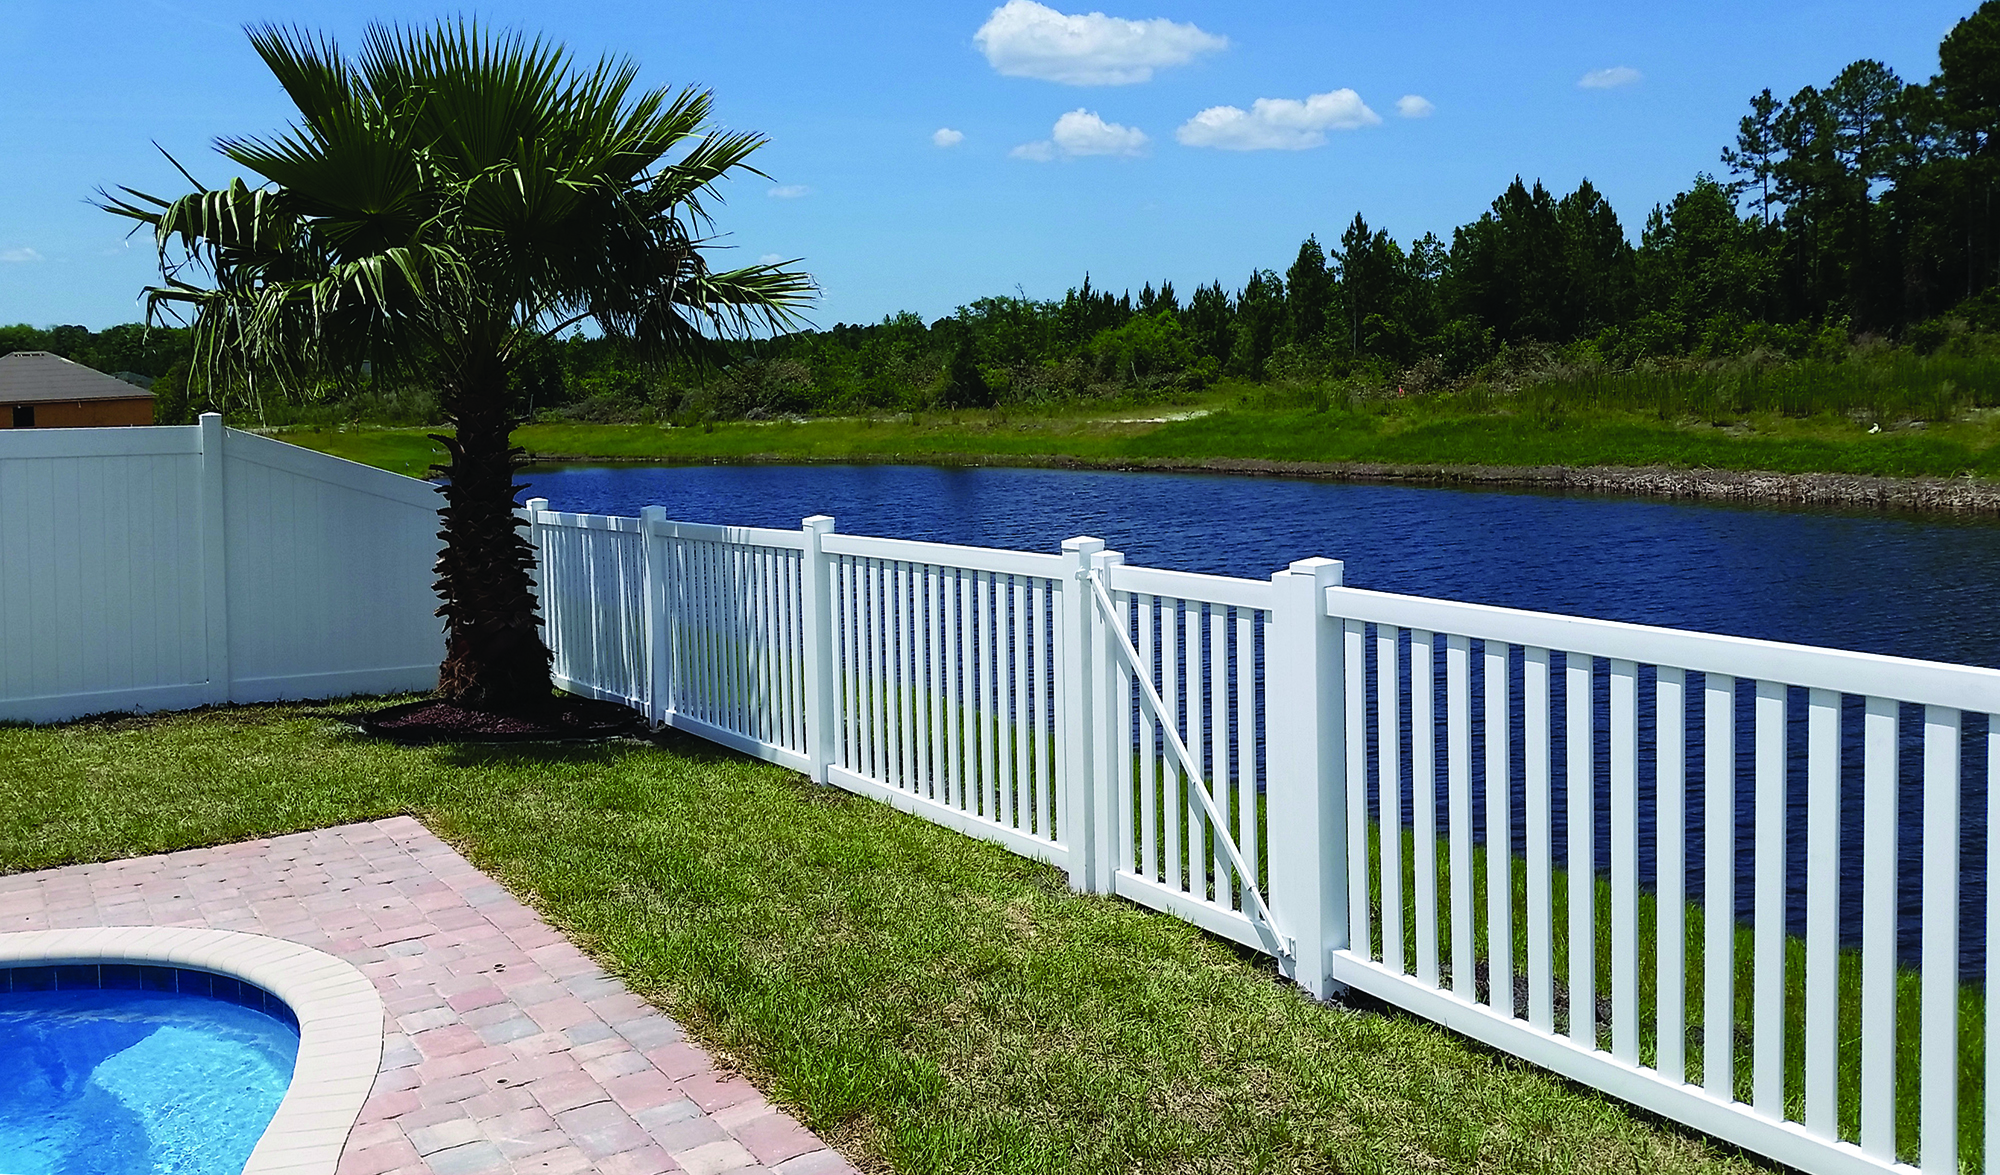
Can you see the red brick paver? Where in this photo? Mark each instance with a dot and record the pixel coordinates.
(506, 1048)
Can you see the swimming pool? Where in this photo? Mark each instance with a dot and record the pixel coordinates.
(335, 1038)
(131, 1069)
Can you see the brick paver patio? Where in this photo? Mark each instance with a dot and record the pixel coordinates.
(507, 1050)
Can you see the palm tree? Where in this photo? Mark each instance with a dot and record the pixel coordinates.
(447, 200)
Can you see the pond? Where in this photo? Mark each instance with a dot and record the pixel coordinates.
(1905, 585)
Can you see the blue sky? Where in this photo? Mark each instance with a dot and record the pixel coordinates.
(1083, 141)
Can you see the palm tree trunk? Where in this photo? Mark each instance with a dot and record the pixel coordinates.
(494, 658)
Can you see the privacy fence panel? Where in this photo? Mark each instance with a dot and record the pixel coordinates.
(165, 567)
(1739, 883)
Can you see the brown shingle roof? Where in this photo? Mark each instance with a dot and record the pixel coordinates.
(35, 377)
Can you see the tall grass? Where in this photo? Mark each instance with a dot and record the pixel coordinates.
(1886, 388)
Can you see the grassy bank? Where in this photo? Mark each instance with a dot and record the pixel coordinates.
(1247, 425)
(927, 1002)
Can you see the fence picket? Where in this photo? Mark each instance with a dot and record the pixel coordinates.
(1246, 750)
(1423, 801)
(1047, 714)
(1878, 929)
(1538, 791)
(911, 704)
(1458, 785)
(1580, 847)
(1767, 974)
(1388, 736)
(1218, 754)
(1499, 835)
(1991, 1100)
(1822, 1020)
(1718, 735)
(1937, 1112)
(1149, 760)
(1625, 861)
(1670, 871)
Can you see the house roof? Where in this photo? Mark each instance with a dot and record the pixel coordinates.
(37, 377)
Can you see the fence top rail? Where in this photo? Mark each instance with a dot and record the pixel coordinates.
(992, 559)
(1188, 585)
(150, 440)
(1931, 683)
(741, 536)
(585, 521)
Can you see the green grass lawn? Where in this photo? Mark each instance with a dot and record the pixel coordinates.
(927, 1002)
(1441, 432)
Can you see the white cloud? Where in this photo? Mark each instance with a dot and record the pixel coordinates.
(1414, 106)
(944, 136)
(19, 255)
(1606, 79)
(788, 191)
(1277, 124)
(770, 258)
(1024, 39)
(1082, 132)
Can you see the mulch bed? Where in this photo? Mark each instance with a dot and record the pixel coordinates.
(435, 720)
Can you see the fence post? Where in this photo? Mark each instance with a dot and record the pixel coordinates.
(536, 570)
(652, 520)
(1306, 771)
(214, 556)
(529, 511)
(818, 639)
(1077, 746)
(1110, 736)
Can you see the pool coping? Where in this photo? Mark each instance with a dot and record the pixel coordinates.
(339, 1011)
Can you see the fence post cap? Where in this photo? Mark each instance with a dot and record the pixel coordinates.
(1324, 572)
(819, 522)
(536, 505)
(652, 513)
(1107, 558)
(1083, 544)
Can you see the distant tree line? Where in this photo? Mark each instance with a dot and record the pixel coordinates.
(1861, 209)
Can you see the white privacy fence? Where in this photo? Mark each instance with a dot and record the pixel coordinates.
(1720, 878)
(166, 567)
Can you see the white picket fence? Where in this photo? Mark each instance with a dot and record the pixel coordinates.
(160, 568)
(1220, 749)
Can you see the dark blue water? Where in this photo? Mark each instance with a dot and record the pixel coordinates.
(97, 1082)
(1903, 585)
(1915, 587)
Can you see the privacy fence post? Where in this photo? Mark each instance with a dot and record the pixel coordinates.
(214, 556)
(1306, 771)
(1077, 744)
(821, 691)
(659, 625)
(1110, 735)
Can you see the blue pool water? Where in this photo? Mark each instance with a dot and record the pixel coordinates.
(136, 1082)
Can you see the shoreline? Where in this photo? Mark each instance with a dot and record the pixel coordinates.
(1926, 495)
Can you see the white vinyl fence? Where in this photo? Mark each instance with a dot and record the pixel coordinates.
(166, 567)
(1379, 791)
